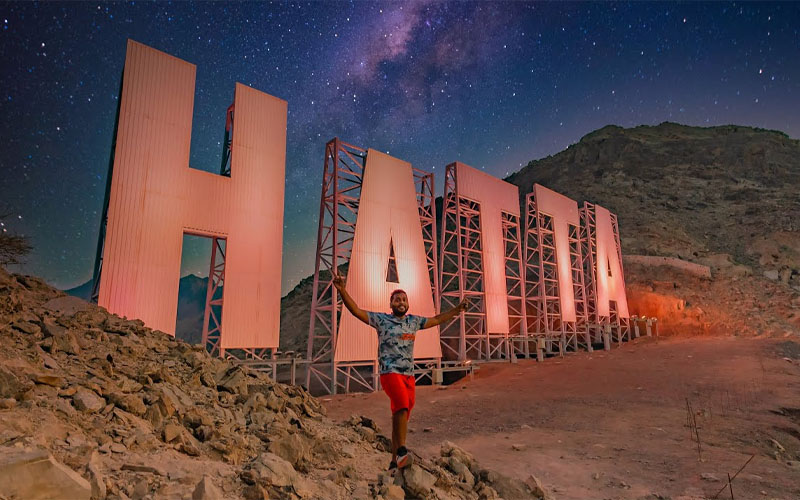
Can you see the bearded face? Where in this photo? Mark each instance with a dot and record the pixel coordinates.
(399, 304)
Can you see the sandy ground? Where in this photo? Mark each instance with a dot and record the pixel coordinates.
(613, 425)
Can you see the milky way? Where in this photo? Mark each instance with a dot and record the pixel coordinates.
(493, 85)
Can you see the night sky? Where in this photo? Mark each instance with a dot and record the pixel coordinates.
(493, 85)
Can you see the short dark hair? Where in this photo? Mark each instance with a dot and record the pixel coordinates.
(399, 290)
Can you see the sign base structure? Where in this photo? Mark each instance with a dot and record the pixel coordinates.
(606, 325)
(549, 328)
(339, 206)
(468, 268)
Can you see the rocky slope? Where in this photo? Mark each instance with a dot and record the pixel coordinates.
(92, 405)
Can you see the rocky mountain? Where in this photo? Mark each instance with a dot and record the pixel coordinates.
(95, 406)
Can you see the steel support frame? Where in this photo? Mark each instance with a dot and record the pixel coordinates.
(543, 287)
(515, 285)
(617, 329)
(339, 202)
(466, 336)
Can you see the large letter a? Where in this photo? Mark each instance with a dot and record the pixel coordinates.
(387, 215)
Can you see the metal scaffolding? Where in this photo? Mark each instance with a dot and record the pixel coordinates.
(339, 203)
(466, 337)
(543, 302)
(603, 329)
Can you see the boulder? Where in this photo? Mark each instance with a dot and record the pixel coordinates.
(273, 470)
(26, 327)
(205, 490)
(293, 448)
(417, 481)
(87, 401)
(233, 379)
(66, 305)
(12, 386)
(35, 475)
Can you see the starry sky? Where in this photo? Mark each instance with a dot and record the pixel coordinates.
(493, 85)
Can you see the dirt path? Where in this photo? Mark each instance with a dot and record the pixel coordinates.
(612, 425)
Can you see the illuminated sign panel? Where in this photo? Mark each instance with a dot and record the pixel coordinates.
(563, 211)
(155, 199)
(610, 282)
(388, 218)
(494, 196)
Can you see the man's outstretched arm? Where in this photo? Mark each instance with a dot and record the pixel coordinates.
(349, 303)
(447, 315)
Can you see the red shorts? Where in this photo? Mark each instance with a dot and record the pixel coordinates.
(400, 389)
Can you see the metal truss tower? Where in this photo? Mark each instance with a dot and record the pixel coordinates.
(462, 276)
(542, 298)
(341, 193)
(616, 328)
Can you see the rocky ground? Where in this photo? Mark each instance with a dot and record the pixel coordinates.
(95, 406)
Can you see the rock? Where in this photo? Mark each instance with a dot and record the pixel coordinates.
(35, 475)
(508, 487)
(517, 447)
(140, 489)
(449, 449)
(536, 487)
(777, 445)
(50, 380)
(293, 448)
(52, 329)
(462, 471)
(705, 476)
(87, 401)
(118, 448)
(232, 379)
(96, 479)
(274, 470)
(417, 481)
(772, 274)
(66, 305)
(393, 492)
(255, 492)
(67, 343)
(151, 469)
(7, 403)
(205, 490)
(26, 327)
(172, 432)
(12, 386)
(129, 402)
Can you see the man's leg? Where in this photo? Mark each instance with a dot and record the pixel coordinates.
(399, 430)
(394, 388)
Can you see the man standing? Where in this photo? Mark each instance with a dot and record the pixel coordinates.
(396, 334)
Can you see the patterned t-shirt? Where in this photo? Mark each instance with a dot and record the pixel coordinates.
(396, 341)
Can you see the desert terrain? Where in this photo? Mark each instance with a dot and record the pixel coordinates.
(613, 425)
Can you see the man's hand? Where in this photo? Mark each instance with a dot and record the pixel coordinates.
(349, 303)
(447, 316)
(338, 281)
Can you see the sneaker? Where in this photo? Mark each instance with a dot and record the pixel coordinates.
(403, 458)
